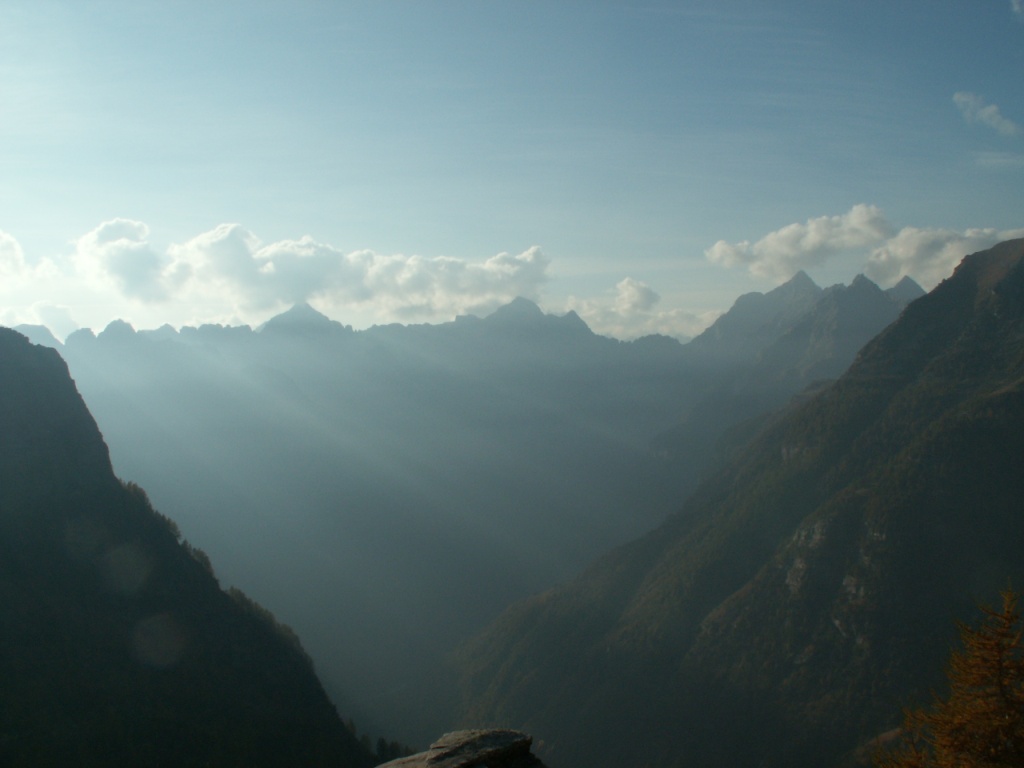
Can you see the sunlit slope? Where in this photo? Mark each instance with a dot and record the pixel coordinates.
(805, 591)
(117, 646)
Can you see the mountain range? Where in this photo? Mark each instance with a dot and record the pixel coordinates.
(388, 492)
(807, 589)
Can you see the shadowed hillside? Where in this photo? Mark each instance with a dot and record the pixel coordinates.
(118, 647)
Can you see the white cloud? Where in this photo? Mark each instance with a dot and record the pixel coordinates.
(118, 252)
(631, 312)
(1018, 7)
(230, 267)
(975, 110)
(780, 254)
(929, 255)
(864, 235)
(228, 275)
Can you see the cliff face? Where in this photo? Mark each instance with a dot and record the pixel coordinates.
(118, 645)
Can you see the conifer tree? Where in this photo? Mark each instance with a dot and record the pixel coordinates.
(981, 723)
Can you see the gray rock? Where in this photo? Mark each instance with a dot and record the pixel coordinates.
(474, 749)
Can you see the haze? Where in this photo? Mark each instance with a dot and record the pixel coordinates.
(641, 163)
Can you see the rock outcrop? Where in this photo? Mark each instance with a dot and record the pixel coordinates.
(466, 749)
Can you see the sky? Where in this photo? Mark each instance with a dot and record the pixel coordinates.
(642, 163)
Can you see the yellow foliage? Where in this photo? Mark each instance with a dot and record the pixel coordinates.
(980, 724)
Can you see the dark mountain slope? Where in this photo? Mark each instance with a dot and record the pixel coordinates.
(117, 646)
(806, 591)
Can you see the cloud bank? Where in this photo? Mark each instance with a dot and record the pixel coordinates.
(975, 110)
(865, 234)
(780, 254)
(229, 264)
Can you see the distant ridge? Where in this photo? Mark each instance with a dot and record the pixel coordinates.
(523, 314)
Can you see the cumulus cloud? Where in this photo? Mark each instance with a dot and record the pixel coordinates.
(230, 266)
(929, 255)
(975, 110)
(780, 254)
(1018, 7)
(863, 234)
(631, 312)
(118, 251)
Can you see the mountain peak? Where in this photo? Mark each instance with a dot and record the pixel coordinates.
(117, 330)
(905, 291)
(301, 318)
(518, 309)
(801, 280)
(799, 285)
(862, 283)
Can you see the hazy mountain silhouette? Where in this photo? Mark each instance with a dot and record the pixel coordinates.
(755, 321)
(806, 591)
(118, 647)
(389, 491)
(905, 291)
(805, 336)
(303, 320)
(39, 334)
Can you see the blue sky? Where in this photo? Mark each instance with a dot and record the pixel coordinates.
(642, 163)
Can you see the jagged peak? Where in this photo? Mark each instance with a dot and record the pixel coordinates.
(906, 290)
(801, 280)
(864, 283)
(301, 316)
(799, 284)
(572, 320)
(301, 311)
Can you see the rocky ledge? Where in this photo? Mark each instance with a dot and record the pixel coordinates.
(474, 749)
